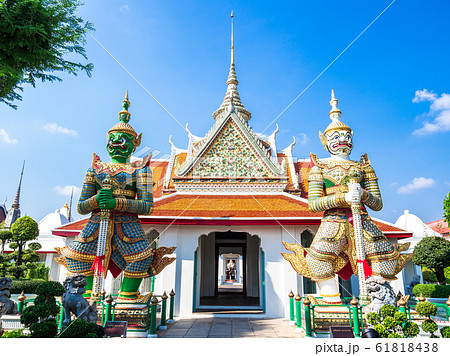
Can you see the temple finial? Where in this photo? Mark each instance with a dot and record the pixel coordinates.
(335, 113)
(16, 203)
(232, 39)
(232, 91)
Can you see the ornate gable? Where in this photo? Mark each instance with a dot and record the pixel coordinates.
(231, 157)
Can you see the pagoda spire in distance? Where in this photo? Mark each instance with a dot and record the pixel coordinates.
(14, 211)
(232, 98)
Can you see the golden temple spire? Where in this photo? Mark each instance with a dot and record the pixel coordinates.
(232, 91)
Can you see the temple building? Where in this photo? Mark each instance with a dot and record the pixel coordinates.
(227, 202)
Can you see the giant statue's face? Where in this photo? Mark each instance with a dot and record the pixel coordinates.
(120, 145)
(339, 142)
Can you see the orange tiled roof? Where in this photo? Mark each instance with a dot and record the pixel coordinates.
(248, 207)
(440, 226)
(159, 169)
(232, 206)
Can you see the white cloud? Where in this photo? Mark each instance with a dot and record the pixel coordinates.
(415, 184)
(439, 112)
(303, 138)
(55, 128)
(124, 8)
(4, 136)
(67, 190)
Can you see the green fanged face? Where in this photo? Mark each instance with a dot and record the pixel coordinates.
(120, 146)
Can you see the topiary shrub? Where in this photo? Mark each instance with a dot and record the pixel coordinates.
(28, 286)
(428, 309)
(13, 333)
(392, 323)
(431, 290)
(40, 316)
(80, 328)
(445, 332)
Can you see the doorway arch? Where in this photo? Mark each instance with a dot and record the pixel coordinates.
(215, 291)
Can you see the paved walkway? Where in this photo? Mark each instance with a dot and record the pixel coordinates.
(225, 327)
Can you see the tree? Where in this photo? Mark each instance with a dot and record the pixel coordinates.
(24, 229)
(5, 236)
(434, 253)
(447, 209)
(35, 37)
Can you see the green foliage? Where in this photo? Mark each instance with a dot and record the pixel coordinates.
(46, 329)
(381, 330)
(24, 229)
(35, 38)
(79, 328)
(5, 236)
(433, 253)
(399, 317)
(388, 310)
(426, 309)
(445, 332)
(394, 335)
(38, 271)
(373, 318)
(40, 316)
(50, 289)
(14, 333)
(389, 322)
(430, 277)
(27, 286)
(429, 326)
(21, 262)
(34, 246)
(431, 290)
(447, 208)
(392, 323)
(411, 329)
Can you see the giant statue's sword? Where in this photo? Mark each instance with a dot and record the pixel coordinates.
(358, 233)
(97, 266)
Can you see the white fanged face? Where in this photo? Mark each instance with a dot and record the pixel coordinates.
(340, 142)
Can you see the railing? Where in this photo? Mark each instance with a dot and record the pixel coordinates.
(109, 312)
(109, 307)
(302, 313)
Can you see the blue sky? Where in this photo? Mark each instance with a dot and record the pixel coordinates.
(392, 86)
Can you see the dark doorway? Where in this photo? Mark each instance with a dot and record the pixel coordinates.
(229, 296)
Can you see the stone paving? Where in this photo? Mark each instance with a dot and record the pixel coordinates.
(229, 327)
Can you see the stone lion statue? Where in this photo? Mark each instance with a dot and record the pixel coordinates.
(380, 293)
(7, 306)
(73, 301)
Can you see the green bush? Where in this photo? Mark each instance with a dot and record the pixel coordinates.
(14, 333)
(388, 310)
(399, 317)
(373, 318)
(445, 332)
(40, 316)
(431, 290)
(79, 328)
(389, 322)
(429, 326)
(381, 330)
(426, 309)
(411, 329)
(50, 289)
(395, 336)
(28, 286)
